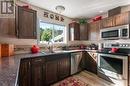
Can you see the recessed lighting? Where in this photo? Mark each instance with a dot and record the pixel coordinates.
(101, 11)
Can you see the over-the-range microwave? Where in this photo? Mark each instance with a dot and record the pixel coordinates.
(118, 32)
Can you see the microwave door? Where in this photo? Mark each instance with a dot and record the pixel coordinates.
(112, 34)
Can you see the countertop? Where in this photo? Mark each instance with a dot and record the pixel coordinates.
(9, 66)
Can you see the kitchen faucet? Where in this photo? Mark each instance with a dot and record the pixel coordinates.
(50, 46)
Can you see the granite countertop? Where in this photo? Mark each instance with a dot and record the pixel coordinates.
(9, 66)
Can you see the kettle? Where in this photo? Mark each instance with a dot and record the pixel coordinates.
(114, 50)
(35, 49)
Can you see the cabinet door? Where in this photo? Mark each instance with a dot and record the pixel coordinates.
(63, 67)
(122, 19)
(108, 22)
(94, 30)
(7, 26)
(83, 32)
(38, 72)
(74, 31)
(26, 23)
(91, 64)
(25, 73)
(51, 72)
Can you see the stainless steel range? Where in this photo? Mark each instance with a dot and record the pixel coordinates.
(114, 66)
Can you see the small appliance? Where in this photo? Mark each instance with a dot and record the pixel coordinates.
(118, 32)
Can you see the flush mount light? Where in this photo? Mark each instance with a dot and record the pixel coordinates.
(60, 8)
(100, 11)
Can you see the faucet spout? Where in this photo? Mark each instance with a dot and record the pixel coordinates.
(50, 46)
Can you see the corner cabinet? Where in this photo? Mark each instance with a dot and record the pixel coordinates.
(94, 31)
(26, 21)
(74, 31)
(91, 62)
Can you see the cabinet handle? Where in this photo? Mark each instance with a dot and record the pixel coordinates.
(34, 33)
(38, 60)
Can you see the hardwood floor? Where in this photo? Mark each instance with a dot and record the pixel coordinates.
(90, 80)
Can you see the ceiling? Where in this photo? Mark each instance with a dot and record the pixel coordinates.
(80, 8)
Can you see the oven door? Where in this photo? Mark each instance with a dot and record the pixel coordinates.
(114, 66)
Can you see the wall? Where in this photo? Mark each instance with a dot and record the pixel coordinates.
(16, 41)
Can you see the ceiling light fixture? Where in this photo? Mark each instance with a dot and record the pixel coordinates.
(60, 8)
(101, 11)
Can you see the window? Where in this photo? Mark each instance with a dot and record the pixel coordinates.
(52, 32)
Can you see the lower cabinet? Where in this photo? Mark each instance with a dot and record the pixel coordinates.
(51, 72)
(91, 63)
(25, 73)
(44, 71)
(38, 72)
(63, 67)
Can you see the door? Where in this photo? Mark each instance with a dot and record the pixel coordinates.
(64, 66)
(25, 73)
(38, 72)
(83, 32)
(74, 31)
(122, 19)
(51, 72)
(26, 23)
(91, 63)
(108, 22)
(94, 31)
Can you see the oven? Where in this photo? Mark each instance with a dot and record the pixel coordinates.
(114, 66)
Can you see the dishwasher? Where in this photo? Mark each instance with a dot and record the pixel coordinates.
(76, 58)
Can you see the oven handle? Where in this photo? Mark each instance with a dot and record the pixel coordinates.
(114, 56)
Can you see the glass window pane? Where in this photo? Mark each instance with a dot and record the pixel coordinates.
(58, 33)
(45, 31)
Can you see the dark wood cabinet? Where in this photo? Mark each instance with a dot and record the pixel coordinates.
(64, 67)
(38, 72)
(26, 21)
(7, 26)
(45, 70)
(51, 72)
(108, 22)
(25, 73)
(120, 19)
(91, 63)
(83, 32)
(94, 31)
(74, 31)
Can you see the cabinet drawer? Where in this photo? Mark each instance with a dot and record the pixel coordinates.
(38, 60)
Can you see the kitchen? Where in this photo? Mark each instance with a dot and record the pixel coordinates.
(56, 43)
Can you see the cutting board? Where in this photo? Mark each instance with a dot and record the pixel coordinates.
(7, 50)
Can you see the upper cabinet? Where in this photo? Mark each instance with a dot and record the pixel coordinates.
(74, 31)
(93, 31)
(108, 22)
(120, 19)
(83, 32)
(7, 26)
(26, 21)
